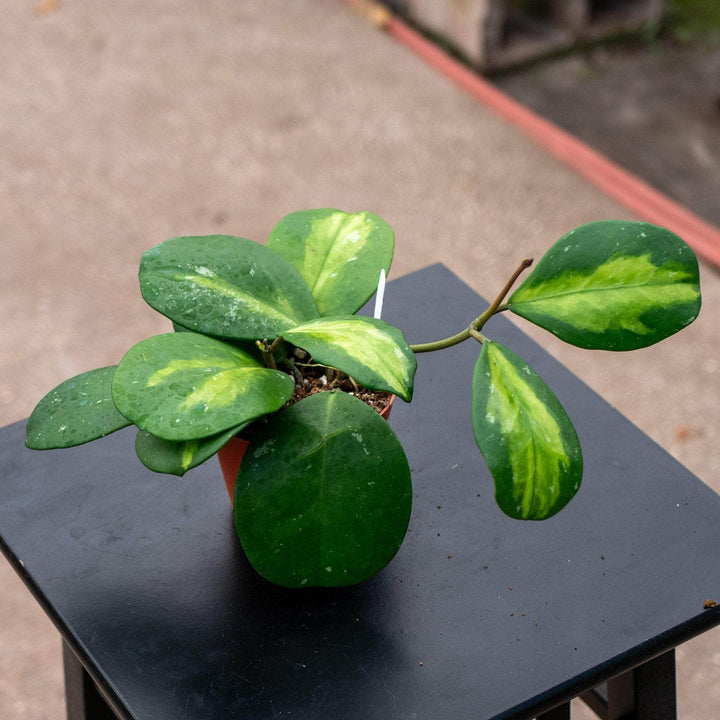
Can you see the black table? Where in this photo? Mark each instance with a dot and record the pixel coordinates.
(478, 616)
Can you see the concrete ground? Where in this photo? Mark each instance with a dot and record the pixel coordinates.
(123, 124)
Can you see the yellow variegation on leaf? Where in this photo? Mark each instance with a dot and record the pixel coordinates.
(184, 386)
(370, 351)
(612, 285)
(338, 254)
(179, 456)
(525, 436)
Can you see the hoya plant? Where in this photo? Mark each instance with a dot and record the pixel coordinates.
(267, 345)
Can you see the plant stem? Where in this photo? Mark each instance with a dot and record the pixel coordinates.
(476, 334)
(268, 350)
(442, 344)
(473, 330)
(496, 304)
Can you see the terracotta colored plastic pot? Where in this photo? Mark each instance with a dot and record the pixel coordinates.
(231, 454)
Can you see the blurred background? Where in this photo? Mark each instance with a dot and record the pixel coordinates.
(126, 123)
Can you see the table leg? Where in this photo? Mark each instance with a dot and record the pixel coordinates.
(645, 693)
(655, 690)
(558, 713)
(82, 698)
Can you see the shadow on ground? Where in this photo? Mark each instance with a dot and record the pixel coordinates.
(653, 108)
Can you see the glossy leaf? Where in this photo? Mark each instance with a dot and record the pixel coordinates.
(525, 435)
(323, 496)
(370, 351)
(248, 346)
(612, 285)
(184, 386)
(77, 411)
(339, 255)
(177, 457)
(225, 286)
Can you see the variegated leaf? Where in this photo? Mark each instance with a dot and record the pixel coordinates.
(177, 457)
(525, 435)
(339, 255)
(371, 351)
(225, 286)
(77, 411)
(184, 386)
(612, 285)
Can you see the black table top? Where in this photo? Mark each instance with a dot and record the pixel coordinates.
(478, 615)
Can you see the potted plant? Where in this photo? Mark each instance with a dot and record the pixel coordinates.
(267, 346)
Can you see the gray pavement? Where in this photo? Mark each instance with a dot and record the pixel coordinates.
(125, 123)
(652, 107)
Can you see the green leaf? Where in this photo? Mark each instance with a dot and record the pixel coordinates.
(339, 255)
(77, 411)
(525, 435)
(370, 351)
(248, 346)
(177, 457)
(225, 286)
(323, 496)
(612, 285)
(184, 386)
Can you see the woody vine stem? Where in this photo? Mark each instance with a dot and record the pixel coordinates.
(473, 330)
